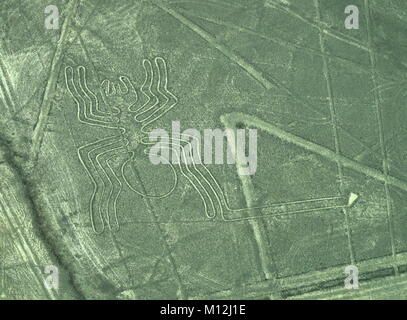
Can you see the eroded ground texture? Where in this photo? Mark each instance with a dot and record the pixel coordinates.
(80, 199)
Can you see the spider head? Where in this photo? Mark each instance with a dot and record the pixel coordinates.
(119, 95)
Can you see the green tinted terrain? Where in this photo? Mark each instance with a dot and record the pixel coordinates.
(77, 189)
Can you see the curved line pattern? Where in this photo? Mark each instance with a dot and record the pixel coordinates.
(160, 100)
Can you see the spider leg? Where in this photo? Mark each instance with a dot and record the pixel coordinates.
(109, 93)
(168, 99)
(114, 194)
(129, 92)
(84, 155)
(109, 193)
(76, 88)
(194, 177)
(206, 184)
(93, 100)
(146, 89)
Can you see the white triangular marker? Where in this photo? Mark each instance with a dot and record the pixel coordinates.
(352, 198)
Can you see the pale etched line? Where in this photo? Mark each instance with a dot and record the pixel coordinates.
(311, 278)
(150, 95)
(247, 67)
(275, 215)
(341, 293)
(119, 191)
(248, 190)
(221, 198)
(332, 111)
(148, 78)
(95, 184)
(259, 230)
(25, 250)
(326, 30)
(379, 117)
(112, 126)
(111, 185)
(149, 278)
(250, 120)
(95, 258)
(170, 146)
(169, 96)
(28, 101)
(101, 176)
(264, 216)
(221, 285)
(82, 113)
(366, 294)
(221, 4)
(132, 246)
(126, 181)
(162, 90)
(3, 256)
(227, 52)
(112, 110)
(323, 28)
(28, 26)
(82, 77)
(115, 242)
(181, 293)
(108, 87)
(7, 102)
(280, 41)
(174, 222)
(79, 30)
(158, 89)
(49, 92)
(375, 148)
(6, 87)
(162, 84)
(223, 49)
(94, 101)
(183, 159)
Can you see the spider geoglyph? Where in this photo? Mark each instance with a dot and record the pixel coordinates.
(128, 120)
